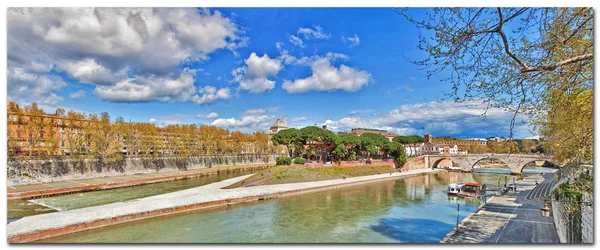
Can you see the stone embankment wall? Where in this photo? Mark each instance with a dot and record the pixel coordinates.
(414, 163)
(30, 171)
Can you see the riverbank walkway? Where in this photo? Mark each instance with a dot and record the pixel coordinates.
(511, 218)
(42, 226)
(32, 191)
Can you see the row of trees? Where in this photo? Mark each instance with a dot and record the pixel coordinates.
(308, 140)
(81, 134)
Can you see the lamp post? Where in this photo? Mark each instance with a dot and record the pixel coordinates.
(545, 209)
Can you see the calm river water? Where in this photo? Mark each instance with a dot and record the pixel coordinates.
(410, 210)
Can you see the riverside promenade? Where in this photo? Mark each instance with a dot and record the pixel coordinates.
(512, 218)
(33, 191)
(42, 226)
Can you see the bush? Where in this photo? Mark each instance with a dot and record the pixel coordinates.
(283, 161)
(299, 160)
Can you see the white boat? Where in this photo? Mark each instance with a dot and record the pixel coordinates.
(465, 189)
(455, 188)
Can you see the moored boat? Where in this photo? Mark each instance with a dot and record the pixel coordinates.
(455, 188)
(466, 189)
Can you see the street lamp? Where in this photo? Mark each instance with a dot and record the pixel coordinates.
(545, 209)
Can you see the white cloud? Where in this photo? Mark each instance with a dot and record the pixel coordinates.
(245, 121)
(288, 59)
(139, 89)
(88, 71)
(308, 34)
(251, 112)
(354, 41)
(252, 120)
(29, 86)
(325, 77)
(438, 118)
(253, 76)
(152, 120)
(355, 112)
(299, 119)
(107, 46)
(77, 95)
(211, 115)
(279, 45)
(210, 94)
(296, 41)
(317, 33)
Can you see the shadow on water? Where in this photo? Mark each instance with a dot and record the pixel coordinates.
(412, 230)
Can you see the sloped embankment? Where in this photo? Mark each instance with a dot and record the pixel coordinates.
(295, 174)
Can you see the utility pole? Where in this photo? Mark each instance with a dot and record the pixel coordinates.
(498, 186)
(457, 215)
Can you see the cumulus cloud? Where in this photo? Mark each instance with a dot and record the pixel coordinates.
(109, 47)
(210, 94)
(78, 95)
(30, 86)
(210, 115)
(252, 120)
(245, 121)
(159, 88)
(253, 76)
(354, 41)
(152, 120)
(88, 71)
(326, 77)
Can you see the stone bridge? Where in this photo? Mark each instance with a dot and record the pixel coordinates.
(515, 162)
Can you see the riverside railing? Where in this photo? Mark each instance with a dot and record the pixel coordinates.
(576, 226)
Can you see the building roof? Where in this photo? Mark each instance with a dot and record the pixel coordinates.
(279, 124)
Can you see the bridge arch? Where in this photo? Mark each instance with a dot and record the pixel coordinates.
(466, 162)
(444, 162)
(546, 164)
(490, 163)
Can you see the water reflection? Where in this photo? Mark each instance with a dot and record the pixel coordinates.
(412, 230)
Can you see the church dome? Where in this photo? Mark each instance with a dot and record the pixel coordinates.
(279, 124)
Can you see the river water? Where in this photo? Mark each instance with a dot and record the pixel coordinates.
(409, 210)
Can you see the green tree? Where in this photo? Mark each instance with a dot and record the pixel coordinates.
(288, 137)
(411, 139)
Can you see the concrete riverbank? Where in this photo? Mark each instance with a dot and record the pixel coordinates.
(54, 224)
(34, 191)
(511, 218)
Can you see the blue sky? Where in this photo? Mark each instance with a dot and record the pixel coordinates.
(237, 68)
